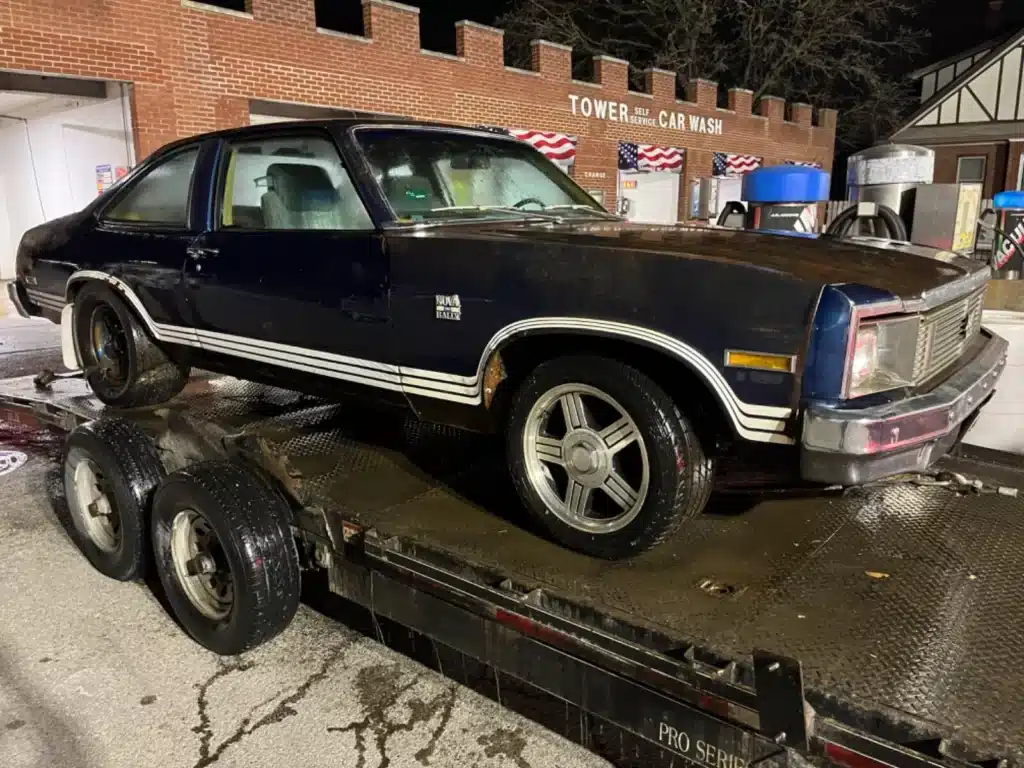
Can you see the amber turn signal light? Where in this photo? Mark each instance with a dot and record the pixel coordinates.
(760, 361)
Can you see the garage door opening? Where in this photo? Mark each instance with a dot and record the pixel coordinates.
(649, 182)
(59, 148)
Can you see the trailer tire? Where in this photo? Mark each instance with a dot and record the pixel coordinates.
(134, 371)
(671, 477)
(226, 555)
(110, 469)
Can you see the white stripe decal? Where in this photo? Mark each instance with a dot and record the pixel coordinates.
(356, 378)
(761, 423)
(272, 346)
(744, 415)
(235, 345)
(45, 300)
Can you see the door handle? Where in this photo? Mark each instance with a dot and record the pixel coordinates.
(198, 253)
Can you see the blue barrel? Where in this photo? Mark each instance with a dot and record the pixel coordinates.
(784, 198)
(1007, 256)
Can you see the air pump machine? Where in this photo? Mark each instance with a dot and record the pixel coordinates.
(891, 186)
(780, 198)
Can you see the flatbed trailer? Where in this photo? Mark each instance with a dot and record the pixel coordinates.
(881, 626)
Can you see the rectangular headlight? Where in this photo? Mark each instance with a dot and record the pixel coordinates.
(883, 356)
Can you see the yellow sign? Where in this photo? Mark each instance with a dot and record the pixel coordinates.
(629, 184)
(968, 208)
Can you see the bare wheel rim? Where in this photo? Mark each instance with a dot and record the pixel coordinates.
(200, 565)
(91, 504)
(586, 458)
(109, 342)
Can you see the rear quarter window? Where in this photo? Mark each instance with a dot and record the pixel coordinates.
(159, 197)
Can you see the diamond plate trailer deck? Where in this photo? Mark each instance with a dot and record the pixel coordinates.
(884, 623)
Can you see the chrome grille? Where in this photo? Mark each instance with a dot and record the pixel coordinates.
(945, 333)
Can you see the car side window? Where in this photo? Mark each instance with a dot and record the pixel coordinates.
(159, 197)
(289, 182)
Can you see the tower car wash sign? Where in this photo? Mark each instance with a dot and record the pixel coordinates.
(619, 112)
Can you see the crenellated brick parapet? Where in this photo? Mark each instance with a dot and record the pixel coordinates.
(193, 67)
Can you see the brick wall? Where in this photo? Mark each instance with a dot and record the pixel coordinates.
(195, 67)
(996, 171)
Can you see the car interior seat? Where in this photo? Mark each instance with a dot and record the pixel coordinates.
(300, 196)
(410, 195)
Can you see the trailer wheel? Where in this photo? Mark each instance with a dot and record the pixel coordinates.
(125, 368)
(226, 556)
(603, 457)
(110, 470)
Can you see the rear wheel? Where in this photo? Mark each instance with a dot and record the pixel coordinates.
(124, 367)
(226, 556)
(603, 457)
(110, 470)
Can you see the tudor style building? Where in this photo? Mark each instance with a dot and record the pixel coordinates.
(972, 115)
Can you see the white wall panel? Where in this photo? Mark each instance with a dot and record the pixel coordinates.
(1010, 85)
(1001, 424)
(49, 159)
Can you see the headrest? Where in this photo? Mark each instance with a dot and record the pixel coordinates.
(302, 187)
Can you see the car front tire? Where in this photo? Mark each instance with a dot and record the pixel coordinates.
(603, 457)
(124, 367)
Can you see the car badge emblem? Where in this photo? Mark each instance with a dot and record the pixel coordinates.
(447, 307)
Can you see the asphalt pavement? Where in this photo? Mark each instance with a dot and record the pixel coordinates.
(95, 674)
(27, 346)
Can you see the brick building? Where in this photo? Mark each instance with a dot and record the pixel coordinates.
(179, 67)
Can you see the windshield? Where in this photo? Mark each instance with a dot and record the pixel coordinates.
(438, 175)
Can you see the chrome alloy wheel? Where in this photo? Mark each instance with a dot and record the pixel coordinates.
(200, 565)
(91, 504)
(586, 459)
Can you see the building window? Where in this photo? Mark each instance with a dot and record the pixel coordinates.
(970, 170)
(927, 87)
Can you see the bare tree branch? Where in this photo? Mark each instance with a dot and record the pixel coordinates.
(827, 52)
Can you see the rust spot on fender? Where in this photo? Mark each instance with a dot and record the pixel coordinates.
(494, 374)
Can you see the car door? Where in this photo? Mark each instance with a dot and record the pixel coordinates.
(292, 273)
(142, 235)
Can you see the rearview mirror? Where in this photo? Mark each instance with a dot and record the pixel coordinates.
(470, 162)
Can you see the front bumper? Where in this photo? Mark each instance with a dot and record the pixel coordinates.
(848, 447)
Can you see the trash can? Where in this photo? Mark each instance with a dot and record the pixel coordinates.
(784, 198)
(1006, 256)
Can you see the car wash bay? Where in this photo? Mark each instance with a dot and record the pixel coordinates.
(62, 141)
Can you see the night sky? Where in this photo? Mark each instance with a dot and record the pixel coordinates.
(954, 24)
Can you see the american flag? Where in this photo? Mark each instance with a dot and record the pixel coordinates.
(806, 163)
(558, 147)
(649, 157)
(555, 146)
(728, 164)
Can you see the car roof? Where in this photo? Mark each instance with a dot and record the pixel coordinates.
(336, 123)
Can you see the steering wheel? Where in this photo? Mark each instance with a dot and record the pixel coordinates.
(528, 200)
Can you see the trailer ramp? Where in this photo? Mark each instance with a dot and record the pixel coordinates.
(902, 604)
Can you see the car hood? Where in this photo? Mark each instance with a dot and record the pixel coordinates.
(905, 270)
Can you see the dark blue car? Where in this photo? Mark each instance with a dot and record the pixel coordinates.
(460, 273)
